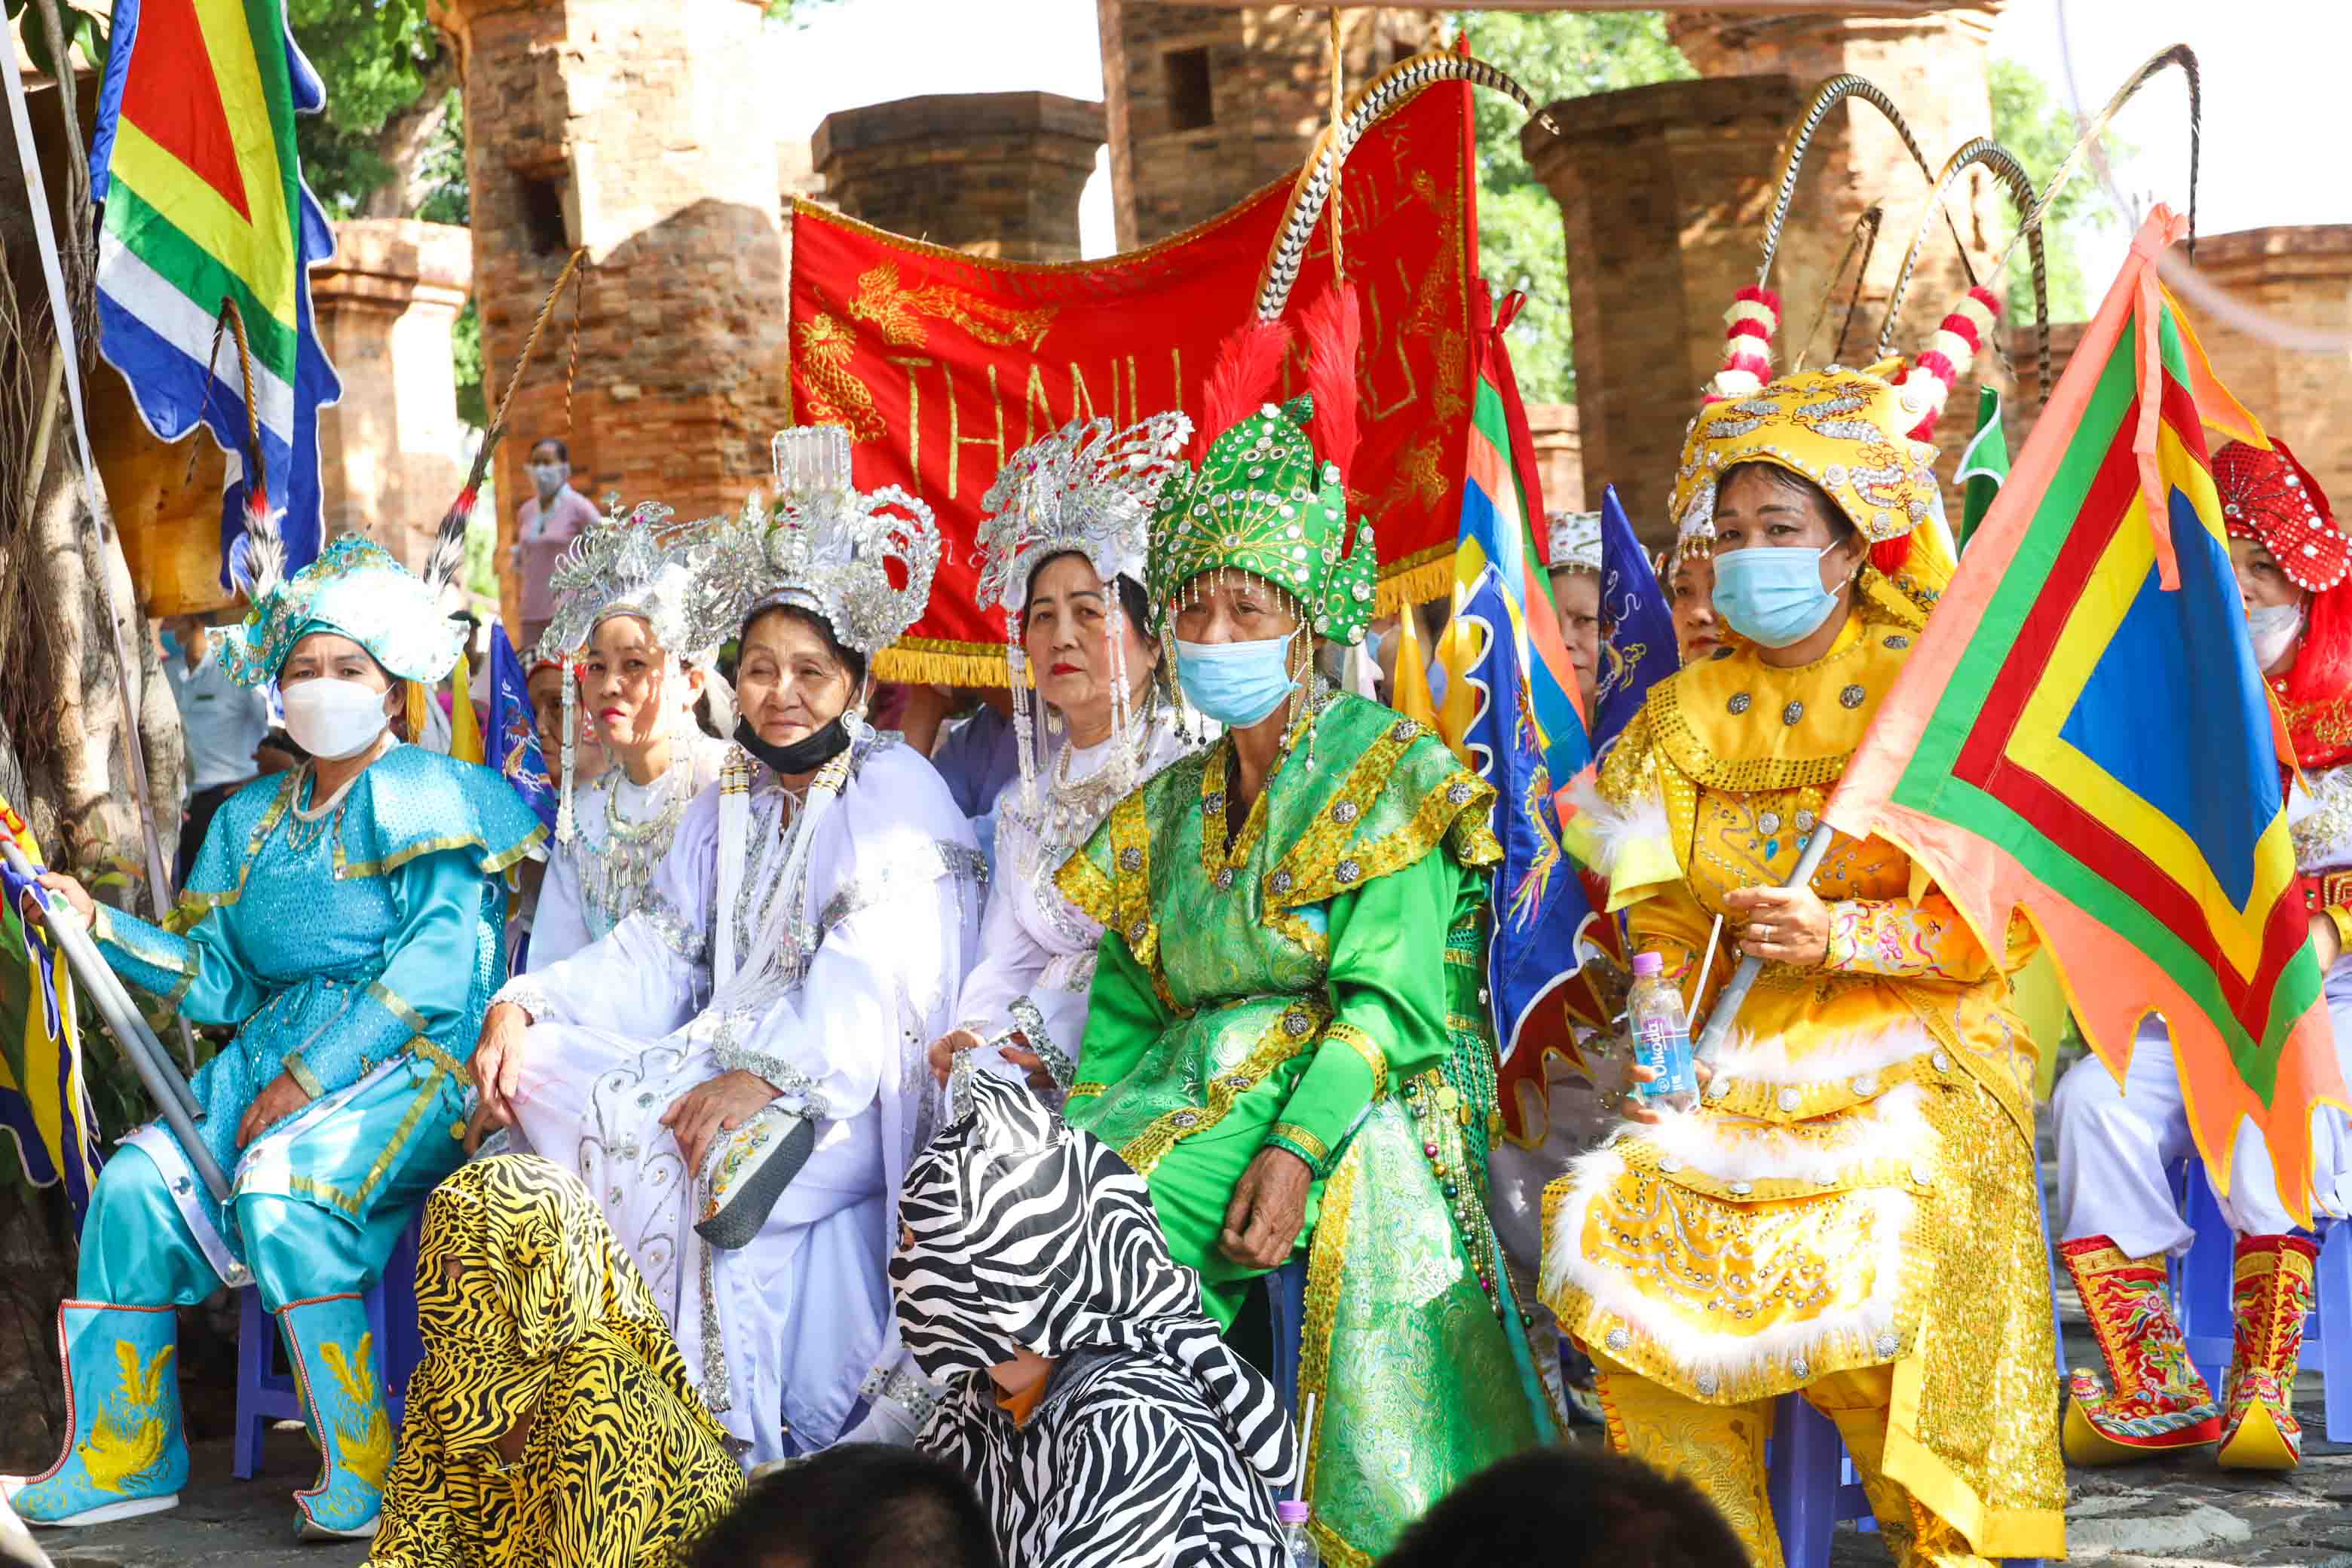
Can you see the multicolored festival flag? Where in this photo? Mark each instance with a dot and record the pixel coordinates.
(194, 160)
(1637, 630)
(1502, 497)
(2083, 733)
(942, 364)
(512, 744)
(44, 1107)
(1539, 902)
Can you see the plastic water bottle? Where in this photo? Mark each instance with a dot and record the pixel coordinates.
(1661, 1035)
(1297, 1546)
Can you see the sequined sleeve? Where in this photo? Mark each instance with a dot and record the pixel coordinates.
(419, 1001)
(1673, 925)
(1921, 939)
(203, 973)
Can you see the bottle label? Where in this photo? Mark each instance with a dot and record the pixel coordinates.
(1665, 1049)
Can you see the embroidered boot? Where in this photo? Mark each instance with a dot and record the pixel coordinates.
(334, 1362)
(2270, 1292)
(2159, 1403)
(125, 1453)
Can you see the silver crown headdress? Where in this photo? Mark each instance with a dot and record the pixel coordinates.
(640, 564)
(1089, 490)
(828, 547)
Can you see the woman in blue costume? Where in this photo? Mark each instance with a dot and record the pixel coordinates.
(346, 918)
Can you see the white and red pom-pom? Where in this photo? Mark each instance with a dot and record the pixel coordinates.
(1958, 339)
(1749, 327)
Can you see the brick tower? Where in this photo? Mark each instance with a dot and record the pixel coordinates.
(1664, 190)
(1204, 104)
(644, 132)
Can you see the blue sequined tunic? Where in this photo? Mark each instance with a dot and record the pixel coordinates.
(355, 951)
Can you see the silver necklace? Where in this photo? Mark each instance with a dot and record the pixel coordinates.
(615, 875)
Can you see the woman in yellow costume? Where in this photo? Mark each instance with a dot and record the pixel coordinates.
(551, 1420)
(1849, 1212)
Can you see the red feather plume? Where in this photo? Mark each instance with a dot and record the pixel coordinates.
(1248, 362)
(1334, 330)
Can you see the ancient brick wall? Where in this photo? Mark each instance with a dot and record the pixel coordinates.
(992, 173)
(644, 132)
(1205, 104)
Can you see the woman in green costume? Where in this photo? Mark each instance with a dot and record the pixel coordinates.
(1286, 1036)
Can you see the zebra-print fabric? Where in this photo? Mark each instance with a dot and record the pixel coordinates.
(1155, 1443)
(544, 1317)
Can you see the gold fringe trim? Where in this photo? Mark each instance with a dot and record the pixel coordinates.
(938, 661)
(1424, 575)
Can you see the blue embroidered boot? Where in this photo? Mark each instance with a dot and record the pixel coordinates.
(125, 1452)
(333, 1352)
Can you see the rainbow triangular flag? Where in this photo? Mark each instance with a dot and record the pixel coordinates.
(194, 158)
(2083, 733)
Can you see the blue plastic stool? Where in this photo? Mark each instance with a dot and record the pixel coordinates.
(2201, 1294)
(266, 1387)
(1811, 1482)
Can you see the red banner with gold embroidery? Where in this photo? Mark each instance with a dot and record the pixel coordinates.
(942, 365)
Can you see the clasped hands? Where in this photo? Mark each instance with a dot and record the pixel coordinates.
(695, 1119)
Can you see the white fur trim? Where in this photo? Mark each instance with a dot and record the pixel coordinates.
(1751, 311)
(1615, 829)
(1730, 382)
(1738, 1149)
(1700, 1355)
(1956, 349)
(1750, 1058)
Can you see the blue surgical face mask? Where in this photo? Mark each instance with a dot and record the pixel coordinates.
(1772, 594)
(1236, 683)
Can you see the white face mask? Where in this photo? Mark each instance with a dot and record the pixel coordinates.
(547, 476)
(2275, 628)
(334, 719)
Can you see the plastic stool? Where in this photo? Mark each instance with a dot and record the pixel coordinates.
(1811, 1482)
(266, 1387)
(2201, 1293)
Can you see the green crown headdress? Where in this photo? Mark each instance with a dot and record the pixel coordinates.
(1260, 498)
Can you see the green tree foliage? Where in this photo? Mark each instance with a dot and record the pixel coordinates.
(374, 57)
(2028, 119)
(1553, 55)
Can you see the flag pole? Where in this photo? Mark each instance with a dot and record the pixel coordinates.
(93, 490)
(163, 1081)
(1743, 979)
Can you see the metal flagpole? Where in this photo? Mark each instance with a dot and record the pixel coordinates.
(164, 1085)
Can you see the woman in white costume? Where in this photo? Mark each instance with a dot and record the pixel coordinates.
(622, 618)
(1062, 549)
(736, 1070)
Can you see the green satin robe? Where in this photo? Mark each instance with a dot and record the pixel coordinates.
(1313, 985)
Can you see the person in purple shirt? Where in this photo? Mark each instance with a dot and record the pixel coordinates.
(548, 522)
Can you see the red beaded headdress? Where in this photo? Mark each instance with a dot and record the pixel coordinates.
(2271, 497)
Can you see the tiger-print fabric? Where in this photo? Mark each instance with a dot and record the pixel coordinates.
(1155, 1443)
(528, 1307)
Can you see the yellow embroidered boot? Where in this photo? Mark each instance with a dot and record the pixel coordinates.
(2158, 1402)
(124, 1451)
(334, 1359)
(2271, 1291)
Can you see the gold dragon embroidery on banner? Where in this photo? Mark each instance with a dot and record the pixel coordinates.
(833, 395)
(897, 311)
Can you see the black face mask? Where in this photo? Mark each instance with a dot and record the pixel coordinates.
(805, 755)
